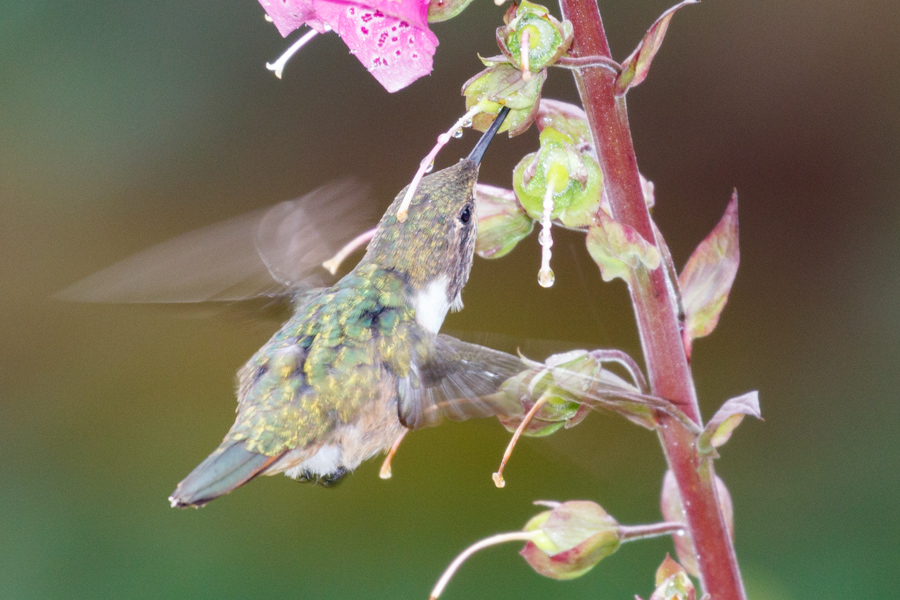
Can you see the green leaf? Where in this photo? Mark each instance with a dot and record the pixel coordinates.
(708, 275)
(636, 66)
(441, 10)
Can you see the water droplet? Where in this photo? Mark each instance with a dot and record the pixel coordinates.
(430, 167)
(546, 278)
(467, 123)
(458, 133)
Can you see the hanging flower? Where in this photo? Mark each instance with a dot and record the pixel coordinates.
(389, 37)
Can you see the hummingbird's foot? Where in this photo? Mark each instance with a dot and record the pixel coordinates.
(385, 472)
(328, 480)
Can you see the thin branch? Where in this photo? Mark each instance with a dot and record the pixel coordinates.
(500, 538)
(632, 533)
(583, 62)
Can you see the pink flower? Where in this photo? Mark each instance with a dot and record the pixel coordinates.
(389, 37)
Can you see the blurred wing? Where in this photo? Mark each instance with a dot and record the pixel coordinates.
(294, 238)
(269, 252)
(459, 381)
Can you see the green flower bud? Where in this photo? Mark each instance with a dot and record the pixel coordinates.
(575, 178)
(441, 10)
(673, 583)
(502, 222)
(548, 38)
(503, 85)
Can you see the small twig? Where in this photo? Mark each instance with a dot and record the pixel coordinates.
(631, 533)
(622, 358)
(498, 476)
(583, 62)
(334, 263)
(500, 538)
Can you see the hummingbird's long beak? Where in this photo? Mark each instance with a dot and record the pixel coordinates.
(479, 149)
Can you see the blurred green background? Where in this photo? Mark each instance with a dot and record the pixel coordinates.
(125, 123)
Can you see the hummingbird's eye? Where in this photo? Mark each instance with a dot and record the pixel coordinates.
(466, 214)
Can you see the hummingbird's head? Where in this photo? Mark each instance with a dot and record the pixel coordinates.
(435, 245)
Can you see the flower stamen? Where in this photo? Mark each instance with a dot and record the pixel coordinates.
(428, 162)
(498, 476)
(333, 263)
(525, 52)
(278, 65)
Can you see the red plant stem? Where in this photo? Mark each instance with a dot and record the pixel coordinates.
(655, 309)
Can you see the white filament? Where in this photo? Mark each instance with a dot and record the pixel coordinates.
(278, 65)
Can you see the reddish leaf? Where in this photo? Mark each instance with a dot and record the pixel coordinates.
(636, 66)
(707, 277)
(726, 419)
(672, 510)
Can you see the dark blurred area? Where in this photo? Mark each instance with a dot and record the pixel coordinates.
(123, 124)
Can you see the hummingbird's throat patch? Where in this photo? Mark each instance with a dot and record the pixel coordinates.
(432, 303)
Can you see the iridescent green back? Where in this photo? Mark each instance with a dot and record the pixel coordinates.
(341, 347)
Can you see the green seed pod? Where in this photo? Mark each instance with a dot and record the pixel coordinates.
(575, 177)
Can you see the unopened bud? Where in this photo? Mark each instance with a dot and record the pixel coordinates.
(502, 222)
(571, 539)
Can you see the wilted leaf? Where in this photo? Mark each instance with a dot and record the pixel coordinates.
(707, 277)
(672, 582)
(618, 249)
(726, 419)
(672, 510)
(636, 66)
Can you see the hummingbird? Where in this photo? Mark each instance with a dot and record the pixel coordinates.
(358, 363)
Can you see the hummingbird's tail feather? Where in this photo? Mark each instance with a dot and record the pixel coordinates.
(229, 467)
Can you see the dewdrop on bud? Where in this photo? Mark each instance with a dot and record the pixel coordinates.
(546, 277)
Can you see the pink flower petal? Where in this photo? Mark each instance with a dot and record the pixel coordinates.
(394, 51)
(389, 37)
